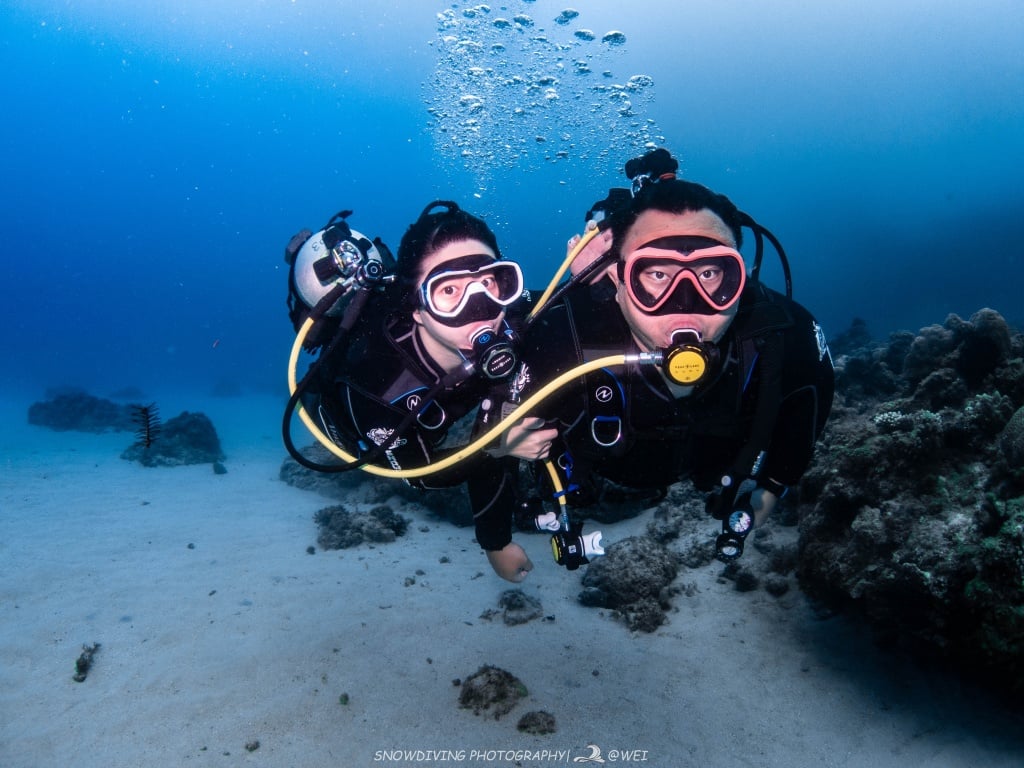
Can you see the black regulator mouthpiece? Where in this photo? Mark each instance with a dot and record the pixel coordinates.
(689, 361)
(495, 354)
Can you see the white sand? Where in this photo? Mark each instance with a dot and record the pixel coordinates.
(246, 637)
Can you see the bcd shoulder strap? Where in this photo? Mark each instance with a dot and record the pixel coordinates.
(598, 329)
(761, 332)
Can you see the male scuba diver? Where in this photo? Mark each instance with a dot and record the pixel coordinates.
(724, 381)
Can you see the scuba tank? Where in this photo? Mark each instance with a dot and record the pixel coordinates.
(336, 258)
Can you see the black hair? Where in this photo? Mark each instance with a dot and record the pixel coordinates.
(656, 187)
(618, 199)
(431, 232)
(655, 164)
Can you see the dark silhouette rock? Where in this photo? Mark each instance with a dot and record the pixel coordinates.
(76, 410)
(189, 438)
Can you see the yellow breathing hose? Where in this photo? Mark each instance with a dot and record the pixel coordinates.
(569, 259)
(521, 411)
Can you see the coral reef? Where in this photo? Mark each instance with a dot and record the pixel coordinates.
(913, 513)
(639, 579)
(539, 723)
(633, 579)
(341, 529)
(1011, 440)
(188, 438)
(518, 607)
(491, 690)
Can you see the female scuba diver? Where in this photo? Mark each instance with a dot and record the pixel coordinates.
(409, 349)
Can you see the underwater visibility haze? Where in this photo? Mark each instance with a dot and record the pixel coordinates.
(158, 158)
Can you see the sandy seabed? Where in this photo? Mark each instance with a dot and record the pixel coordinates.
(218, 631)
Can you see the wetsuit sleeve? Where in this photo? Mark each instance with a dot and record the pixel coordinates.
(809, 385)
(493, 486)
(493, 500)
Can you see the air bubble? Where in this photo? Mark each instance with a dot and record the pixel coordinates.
(499, 100)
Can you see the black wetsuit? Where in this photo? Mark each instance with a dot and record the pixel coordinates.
(363, 394)
(624, 425)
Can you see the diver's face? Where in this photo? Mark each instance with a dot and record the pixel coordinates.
(444, 341)
(654, 331)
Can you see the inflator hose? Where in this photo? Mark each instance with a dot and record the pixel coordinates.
(500, 428)
(559, 492)
(348, 320)
(569, 259)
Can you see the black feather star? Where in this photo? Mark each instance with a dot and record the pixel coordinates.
(147, 417)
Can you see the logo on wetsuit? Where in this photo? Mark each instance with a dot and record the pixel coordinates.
(379, 434)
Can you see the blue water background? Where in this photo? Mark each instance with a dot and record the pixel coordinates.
(157, 157)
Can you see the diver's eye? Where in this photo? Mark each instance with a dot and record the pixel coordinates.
(710, 274)
(658, 273)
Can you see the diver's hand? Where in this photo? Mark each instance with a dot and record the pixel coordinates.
(592, 251)
(763, 502)
(528, 439)
(510, 562)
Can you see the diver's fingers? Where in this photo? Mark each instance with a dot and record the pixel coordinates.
(532, 422)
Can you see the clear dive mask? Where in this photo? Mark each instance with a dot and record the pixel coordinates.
(471, 289)
(683, 275)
